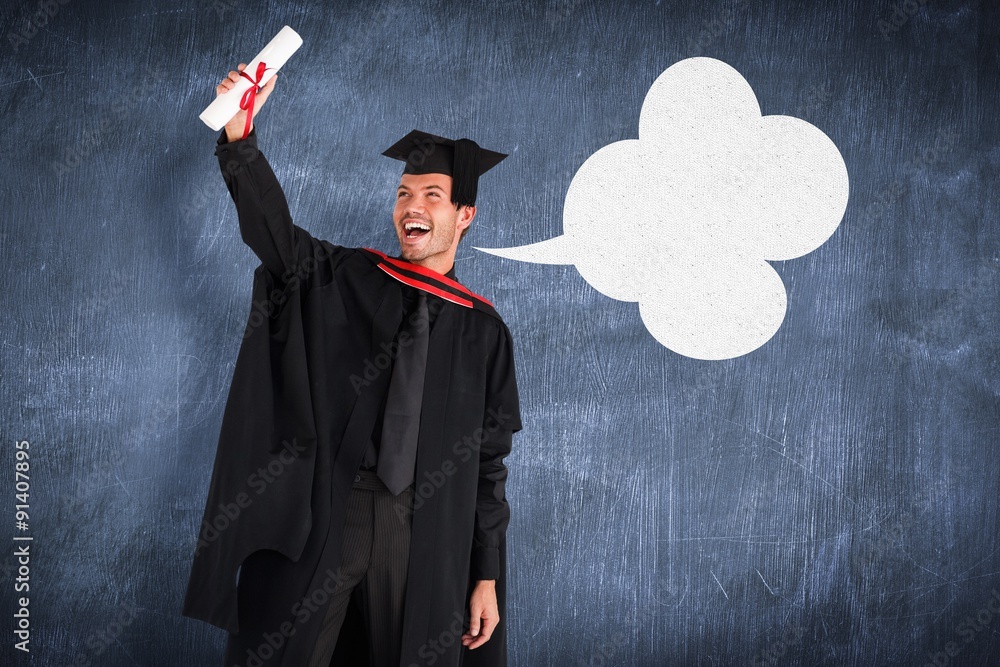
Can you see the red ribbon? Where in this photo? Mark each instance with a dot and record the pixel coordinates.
(246, 102)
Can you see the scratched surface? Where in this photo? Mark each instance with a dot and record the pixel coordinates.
(829, 499)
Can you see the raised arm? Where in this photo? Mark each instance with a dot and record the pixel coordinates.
(265, 221)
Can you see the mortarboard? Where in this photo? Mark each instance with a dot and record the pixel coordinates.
(462, 159)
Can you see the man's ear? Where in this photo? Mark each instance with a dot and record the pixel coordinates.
(465, 216)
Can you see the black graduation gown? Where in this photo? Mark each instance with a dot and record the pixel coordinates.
(306, 389)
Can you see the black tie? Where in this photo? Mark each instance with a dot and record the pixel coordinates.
(397, 453)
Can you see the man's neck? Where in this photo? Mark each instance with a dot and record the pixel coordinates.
(442, 265)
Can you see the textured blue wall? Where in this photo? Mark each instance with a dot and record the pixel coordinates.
(828, 499)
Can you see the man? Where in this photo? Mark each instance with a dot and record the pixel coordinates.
(357, 510)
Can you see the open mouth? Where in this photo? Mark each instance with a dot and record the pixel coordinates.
(415, 230)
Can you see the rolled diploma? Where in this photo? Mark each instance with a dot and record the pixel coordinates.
(275, 55)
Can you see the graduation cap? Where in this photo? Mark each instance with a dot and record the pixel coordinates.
(462, 159)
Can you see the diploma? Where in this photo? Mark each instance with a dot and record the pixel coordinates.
(274, 56)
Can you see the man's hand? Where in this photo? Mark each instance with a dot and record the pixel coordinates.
(234, 128)
(483, 613)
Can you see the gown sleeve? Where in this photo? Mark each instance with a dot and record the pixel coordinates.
(266, 226)
(502, 420)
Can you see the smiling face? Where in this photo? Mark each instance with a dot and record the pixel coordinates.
(427, 223)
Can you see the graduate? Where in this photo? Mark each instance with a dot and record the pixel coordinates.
(357, 509)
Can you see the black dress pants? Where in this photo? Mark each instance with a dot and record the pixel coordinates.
(376, 548)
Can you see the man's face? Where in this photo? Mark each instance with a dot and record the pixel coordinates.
(427, 223)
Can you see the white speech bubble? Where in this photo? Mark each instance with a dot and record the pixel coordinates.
(684, 219)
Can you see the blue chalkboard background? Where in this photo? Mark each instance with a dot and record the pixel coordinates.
(828, 499)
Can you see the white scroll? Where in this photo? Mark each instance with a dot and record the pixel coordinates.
(275, 55)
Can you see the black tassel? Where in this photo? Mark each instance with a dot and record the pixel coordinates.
(465, 173)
